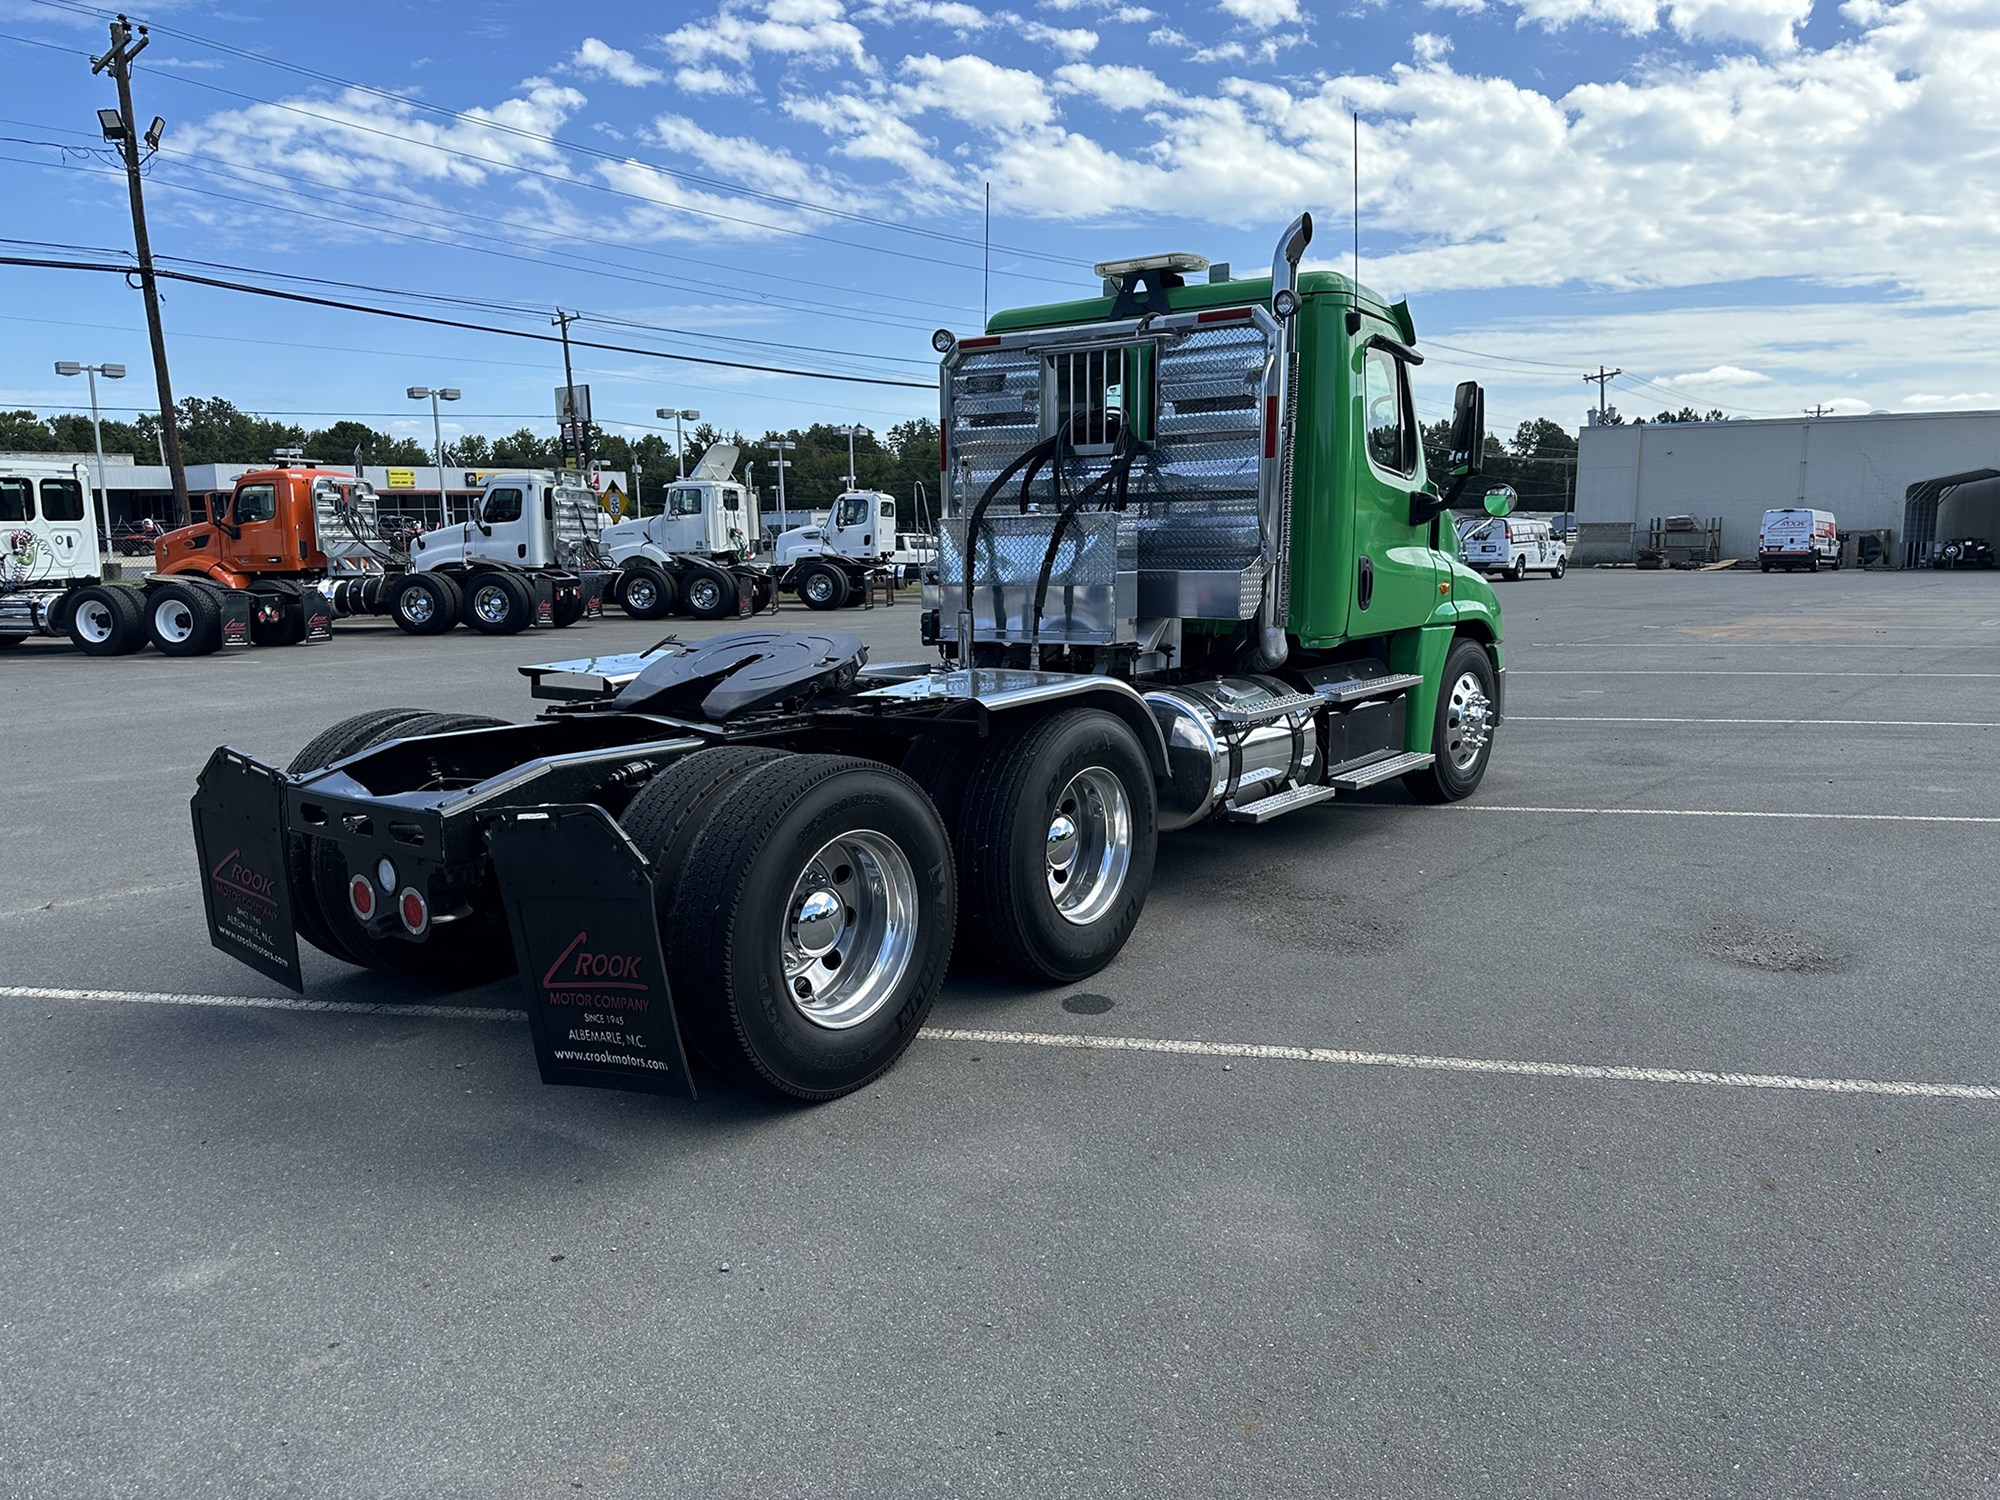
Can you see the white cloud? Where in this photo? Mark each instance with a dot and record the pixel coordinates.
(713, 81)
(1769, 24)
(812, 32)
(1429, 47)
(599, 59)
(979, 92)
(1962, 401)
(1075, 41)
(1720, 375)
(1263, 14)
(1114, 85)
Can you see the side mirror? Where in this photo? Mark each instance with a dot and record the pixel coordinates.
(1468, 431)
(1501, 500)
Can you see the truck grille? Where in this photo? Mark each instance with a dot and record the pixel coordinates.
(1087, 390)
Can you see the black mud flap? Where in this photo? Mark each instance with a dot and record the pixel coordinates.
(579, 901)
(235, 608)
(239, 835)
(543, 588)
(594, 586)
(319, 616)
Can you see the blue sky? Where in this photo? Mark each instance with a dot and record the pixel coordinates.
(1759, 205)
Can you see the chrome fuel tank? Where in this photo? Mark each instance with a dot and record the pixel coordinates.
(1231, 741)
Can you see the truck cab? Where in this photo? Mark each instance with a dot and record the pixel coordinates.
(860, 527)
(267, 526)
(709, 514)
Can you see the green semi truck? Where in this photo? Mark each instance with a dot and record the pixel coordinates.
(1195, 567)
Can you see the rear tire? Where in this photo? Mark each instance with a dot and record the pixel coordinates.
(476, 949)
(183, 620)
(107, 621)
(289, 629)
(569, 609)
(646, 592)
(709, 596)
(1559, 569)
(811, 924)
(822, 587)
(1519, 570)
(497, 604)
(1056, 845)
(329, 745)
(425, 604)
(1461, 729)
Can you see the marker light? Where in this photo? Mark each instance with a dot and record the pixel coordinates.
(361, 896)
(414, 911)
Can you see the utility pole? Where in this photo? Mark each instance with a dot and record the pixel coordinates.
(1817, 410)
(562, 320)
(1601, 380)
(848, 432)
(118, 62)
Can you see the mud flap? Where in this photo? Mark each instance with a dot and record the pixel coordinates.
(239, 836)
(234, 605)
(595, 586)
(579, 902)
(319, 616)
(544, 612)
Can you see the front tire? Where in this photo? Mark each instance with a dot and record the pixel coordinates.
(1462, 730)
(811, 924)
(1056, 845)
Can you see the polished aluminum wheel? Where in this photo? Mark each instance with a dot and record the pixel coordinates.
(819, 586)
(850, 929)
(704, 593)
(641, 593)
(492, 604)
(1089, 846)
(418, 606)
(1468, 721)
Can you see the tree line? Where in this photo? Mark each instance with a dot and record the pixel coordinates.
(216, 431)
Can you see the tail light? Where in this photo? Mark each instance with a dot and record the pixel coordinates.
(361, 896)
(414, 910)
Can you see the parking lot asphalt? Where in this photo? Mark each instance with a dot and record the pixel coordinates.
(1629, 1129)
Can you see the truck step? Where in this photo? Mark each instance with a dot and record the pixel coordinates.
(1276, 807)
(1354, 689)
(1270, 708)
(1373, 770)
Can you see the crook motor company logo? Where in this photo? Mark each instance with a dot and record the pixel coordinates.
(234, 878)
(583, 975)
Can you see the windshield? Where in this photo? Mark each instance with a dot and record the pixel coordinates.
(851, 512)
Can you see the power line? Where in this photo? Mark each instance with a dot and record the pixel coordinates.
(435, 321)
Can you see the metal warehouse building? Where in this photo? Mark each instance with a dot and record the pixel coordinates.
(1924, 477)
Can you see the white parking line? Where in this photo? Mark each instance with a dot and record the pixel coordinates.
(1713, 673)
(1250, 1051)
(1851, 723)
(1696, 812)
(1351, 1058)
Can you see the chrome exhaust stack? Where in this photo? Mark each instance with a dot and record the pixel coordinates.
(1276, 511)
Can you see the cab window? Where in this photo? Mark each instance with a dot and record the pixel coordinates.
(684, 503)
(732, 500)
(502, 504)
(62, 500)
(852, 512)
(1386, 412)
(17, 500)
(256, 502)
(888, 510)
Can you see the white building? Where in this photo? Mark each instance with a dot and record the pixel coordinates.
(1923, 476)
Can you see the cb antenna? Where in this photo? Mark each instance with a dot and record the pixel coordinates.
(1355, 286)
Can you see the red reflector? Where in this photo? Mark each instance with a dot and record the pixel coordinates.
(415, 913)
(989, 342)
(361, 896)
(944, 464)
(1224, 315)
(1270, 427)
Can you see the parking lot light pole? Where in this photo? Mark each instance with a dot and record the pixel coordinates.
(678, 413)
(853, 483)
(109, 372)
(442, 393)
(781, 446)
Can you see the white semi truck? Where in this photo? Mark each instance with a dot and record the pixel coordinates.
(696, 554)
(831, 565)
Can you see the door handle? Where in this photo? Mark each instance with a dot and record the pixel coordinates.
(1364, 589)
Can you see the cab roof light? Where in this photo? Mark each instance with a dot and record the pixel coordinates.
(1179, 260)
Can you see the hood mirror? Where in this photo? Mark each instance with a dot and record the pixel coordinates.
(1501, 500)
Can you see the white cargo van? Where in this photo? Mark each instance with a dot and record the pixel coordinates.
(1514, 547)
(1796, 537)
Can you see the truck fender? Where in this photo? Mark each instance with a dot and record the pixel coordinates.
(646, 550)
(1040, 697)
